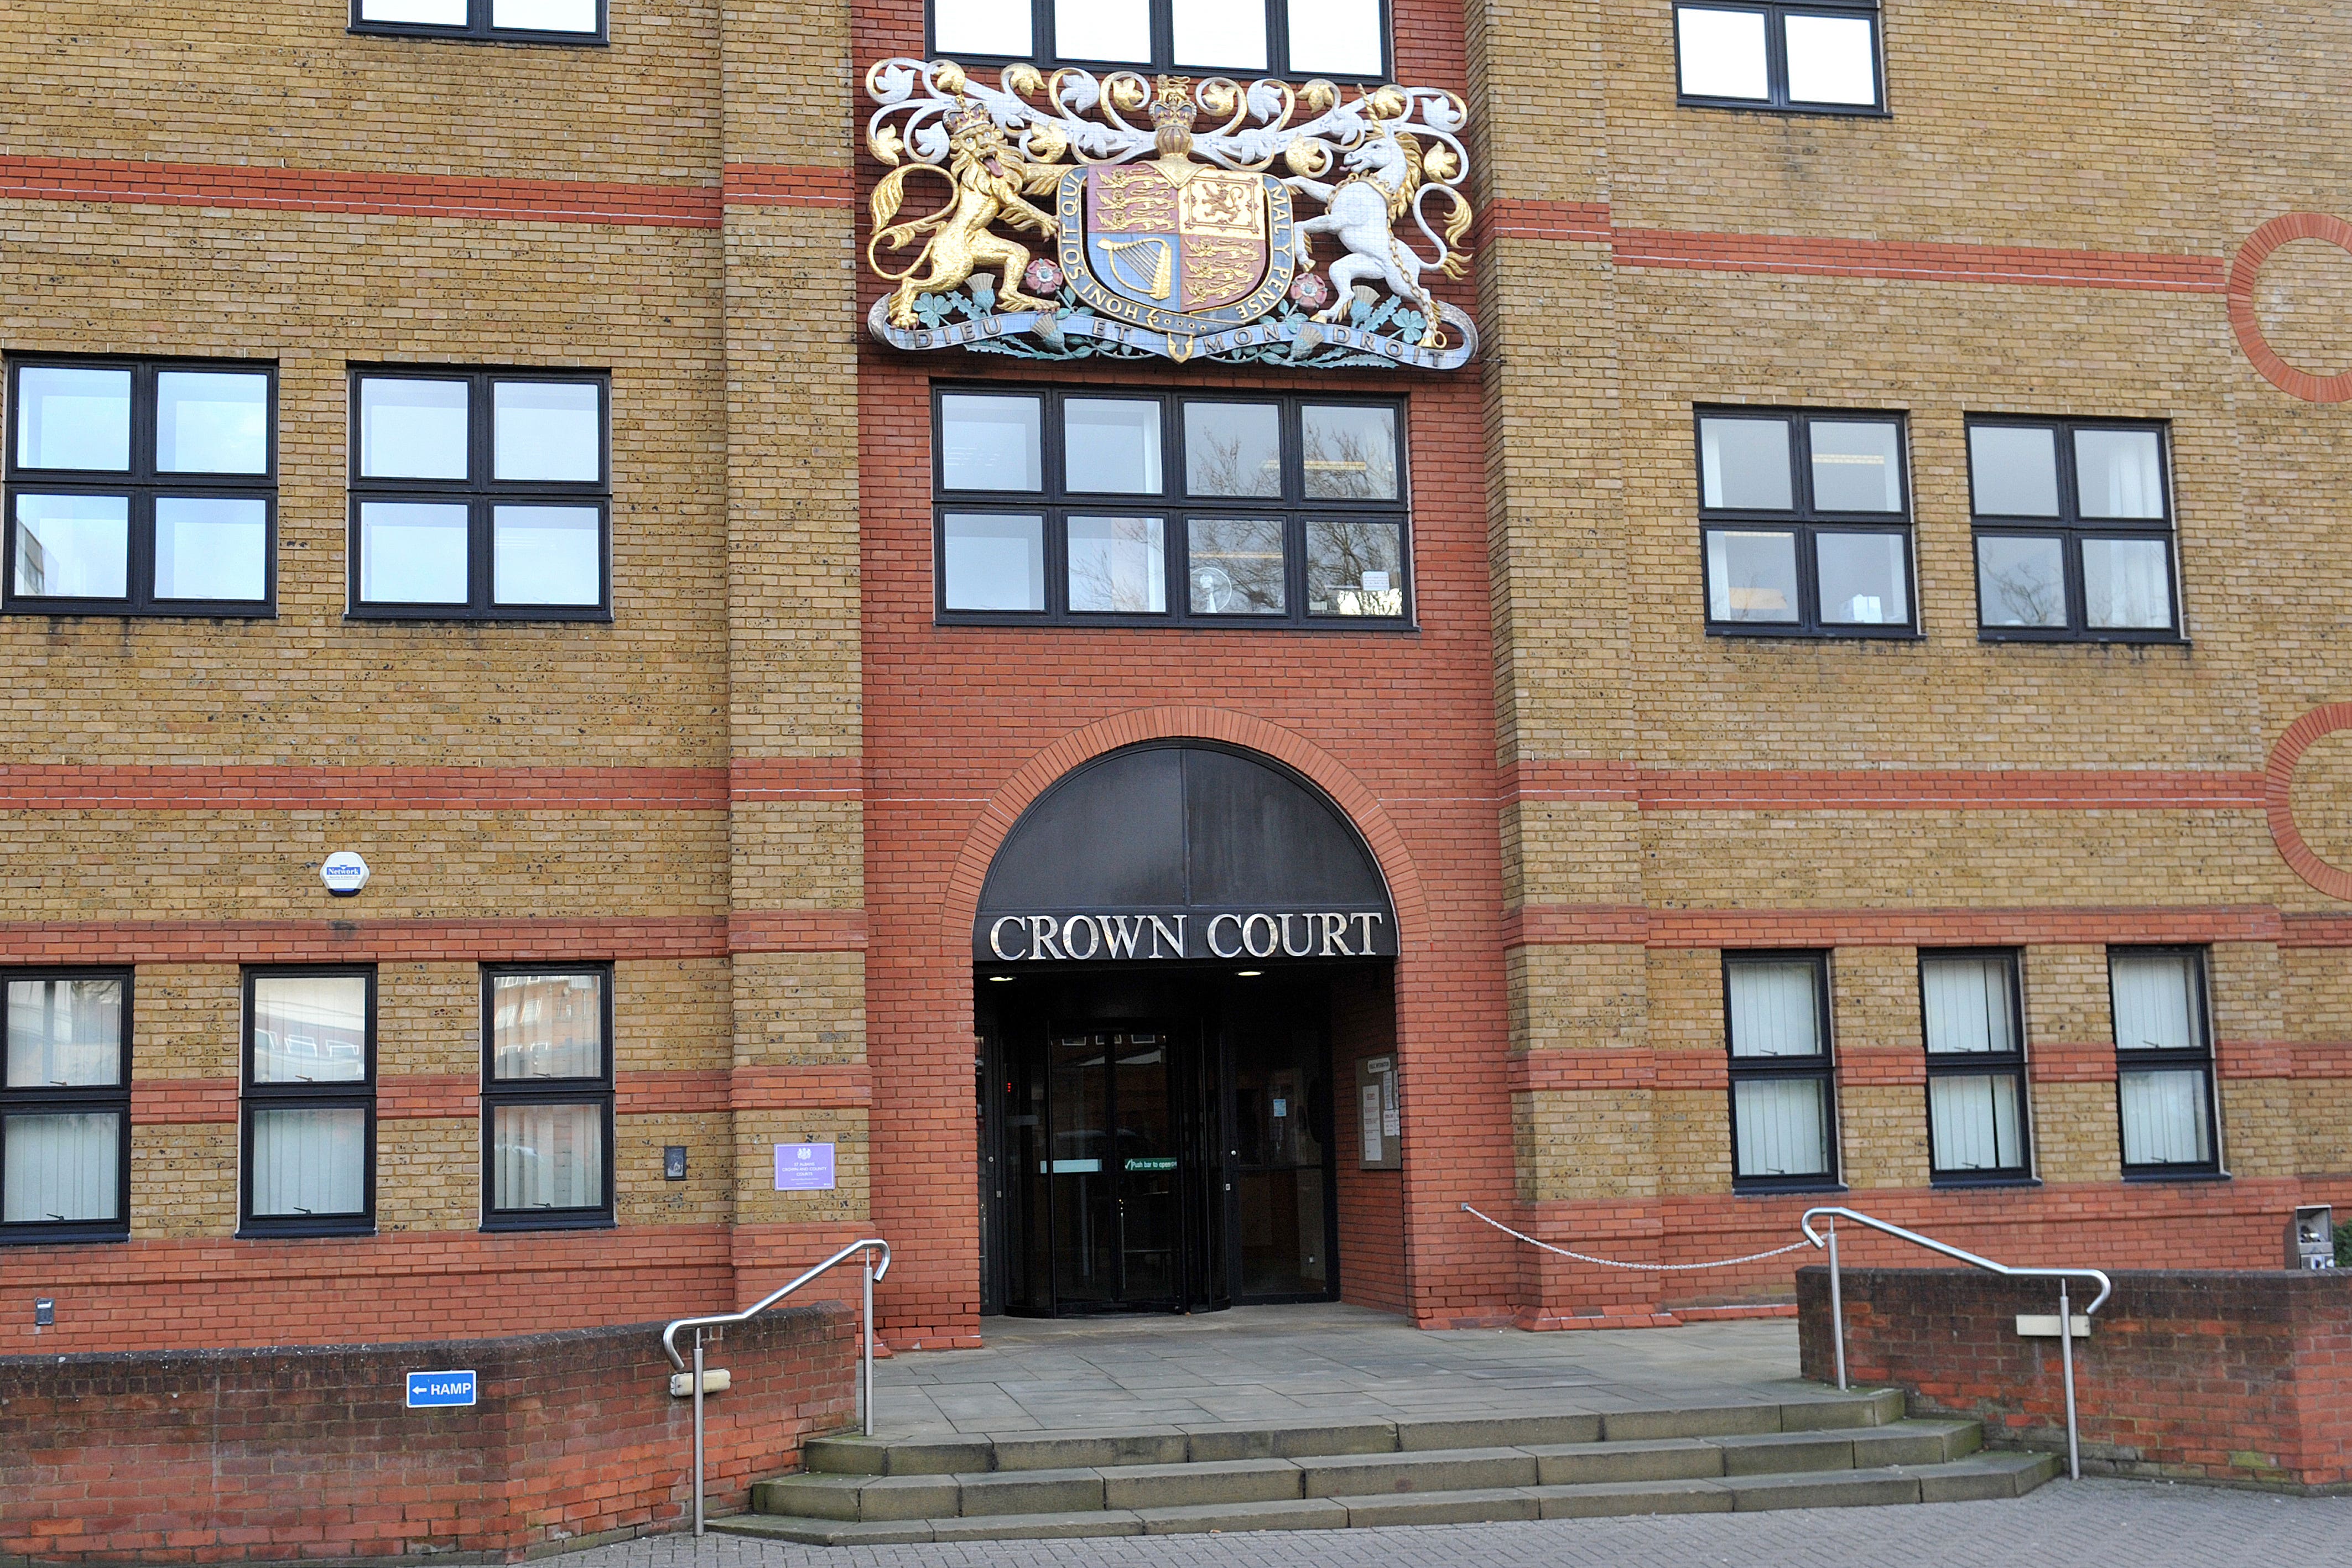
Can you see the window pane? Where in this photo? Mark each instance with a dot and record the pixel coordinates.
(1830, 60)
(309, 1029)
(545, 15)
(211, 547)
(548, 430)
(1782, 1125)
(2125, 584)
(1774, 1009)
(1967, 1004)
(1236, 566)
(2155, 1001)
(412, 429)
(547, 1026)
(1232, 449)
(1118, 564)
(65, 1167)
(994, 562)
(1751, 576)
(1334, 37)
(73, 547)
(980, 28)
(546, 1156)
(547, 555)
(1354, 568)
(1351, 452)
(2013, 470)
(1863, 579)
(430, 13)
(68, 418)
(1857, 467)
(412, 553)
(64, 1033)
(1228, 33)
(990, 444)
(1974, 1124)
(1104, 30)
(1111, 446)
(2118, 474)
(1744, 463)
(1722, 53)
(2164, 1118)
(2021, 581)
(307, 1161)
(212, 422)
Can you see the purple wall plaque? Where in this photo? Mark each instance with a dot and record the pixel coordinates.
(804, 1167)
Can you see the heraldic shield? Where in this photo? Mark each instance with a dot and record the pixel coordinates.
(1183, 238)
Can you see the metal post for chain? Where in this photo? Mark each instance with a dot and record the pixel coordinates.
(697, 1431)
(1837, 1306)
(2066, 1363)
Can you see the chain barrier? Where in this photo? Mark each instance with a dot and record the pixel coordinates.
(1645, 1267)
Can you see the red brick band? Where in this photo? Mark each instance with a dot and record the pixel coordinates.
(488, 940)
(1570, 925)
(846, 1087)
(127, 183)
(1885, 789)
(1590, 223)
(156, 1101)
(73, 787)
(2246, 268)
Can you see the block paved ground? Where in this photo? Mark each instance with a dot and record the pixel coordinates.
(1279, 1365)
(2087, 1524)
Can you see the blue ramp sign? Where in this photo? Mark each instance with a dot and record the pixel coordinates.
(429, 1390)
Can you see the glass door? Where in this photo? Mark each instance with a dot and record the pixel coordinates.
(1110, 1169)
(1284, 1213)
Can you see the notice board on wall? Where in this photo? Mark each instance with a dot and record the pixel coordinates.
(1380, 1123)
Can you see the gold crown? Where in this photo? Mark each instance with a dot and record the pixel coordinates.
(1173, 106)
(967, 115)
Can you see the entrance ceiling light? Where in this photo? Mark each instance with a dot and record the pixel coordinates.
(1249, 973)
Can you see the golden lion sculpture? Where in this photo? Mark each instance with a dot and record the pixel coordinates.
(991, 181)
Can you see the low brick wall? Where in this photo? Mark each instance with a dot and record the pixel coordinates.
(2229, 1375)
(202, 1456)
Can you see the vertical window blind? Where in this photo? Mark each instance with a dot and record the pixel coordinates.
(1782, 1114)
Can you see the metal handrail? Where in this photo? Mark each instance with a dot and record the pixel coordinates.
(864, 1249)
(2065, 1317)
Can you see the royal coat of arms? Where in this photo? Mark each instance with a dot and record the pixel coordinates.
(1164, 238)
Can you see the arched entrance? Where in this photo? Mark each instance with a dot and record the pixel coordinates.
(1166, 945)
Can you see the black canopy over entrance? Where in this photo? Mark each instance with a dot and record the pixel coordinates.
(1160, 941)
(1179, 850)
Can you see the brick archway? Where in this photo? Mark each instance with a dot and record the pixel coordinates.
(1040, 773)
(2278, 798)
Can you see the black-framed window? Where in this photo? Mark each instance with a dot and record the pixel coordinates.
(65, 1105)
(480, 494)
(1805, 523)
(2073, 530)
(1973, 1013)
(1092, 505)
(546, 1097)
(308, 1110)
(1345, 40)
(142, 486)
(1783, 1100)
(511, 21)
(1812, 56)
(2164, 1062)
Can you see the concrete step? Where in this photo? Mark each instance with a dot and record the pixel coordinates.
(966, 1456)
(1975, 1475)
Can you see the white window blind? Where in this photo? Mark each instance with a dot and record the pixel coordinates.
(1774, 1009)
(309, 1161)
(1782, 1125)
(549, 1156)
(1968, 1005)
(64, 1033)
(1975, 1124)
(2164, 1118)
(61, 1168)
(2155, 1001)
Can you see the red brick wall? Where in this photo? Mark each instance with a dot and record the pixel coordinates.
(217, 1455)
(1404, 723)
(1372, 1268)
(2237, 1376)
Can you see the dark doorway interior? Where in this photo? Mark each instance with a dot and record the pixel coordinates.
(1157, 1140)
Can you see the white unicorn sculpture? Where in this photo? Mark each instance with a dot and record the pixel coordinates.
(1382, 183)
